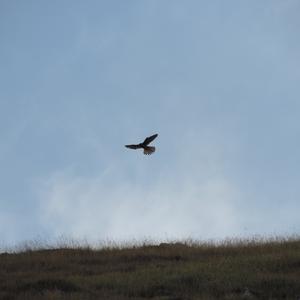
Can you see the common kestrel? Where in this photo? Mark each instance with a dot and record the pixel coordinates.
(144, 145)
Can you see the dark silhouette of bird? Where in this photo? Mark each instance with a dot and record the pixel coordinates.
(144, 145)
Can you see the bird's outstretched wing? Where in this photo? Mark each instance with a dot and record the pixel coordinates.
(149, 139)
(133, 146)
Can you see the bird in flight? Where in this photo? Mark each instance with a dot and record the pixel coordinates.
(144, 145)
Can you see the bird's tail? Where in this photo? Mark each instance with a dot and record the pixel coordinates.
(149, 150)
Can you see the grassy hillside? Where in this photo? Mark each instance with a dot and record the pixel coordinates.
(231, 270)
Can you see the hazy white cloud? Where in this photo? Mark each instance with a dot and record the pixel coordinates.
(181, 205)
(193, 195)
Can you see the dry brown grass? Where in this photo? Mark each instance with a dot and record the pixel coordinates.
(253, 269)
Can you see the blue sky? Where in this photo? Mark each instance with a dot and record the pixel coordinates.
(218, 81)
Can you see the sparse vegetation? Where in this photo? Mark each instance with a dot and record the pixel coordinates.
(252, 269)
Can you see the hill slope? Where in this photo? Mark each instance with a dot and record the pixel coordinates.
(240, 270)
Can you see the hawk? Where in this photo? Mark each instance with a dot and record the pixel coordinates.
(144, 145)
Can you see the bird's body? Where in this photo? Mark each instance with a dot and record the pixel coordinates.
(144, 145)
